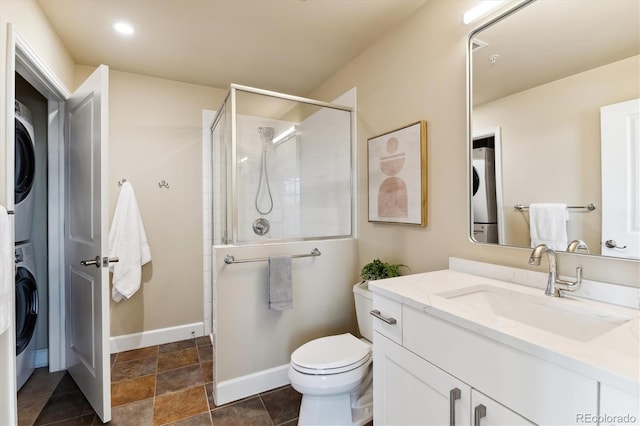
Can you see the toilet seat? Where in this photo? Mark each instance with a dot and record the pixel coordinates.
(331, 355)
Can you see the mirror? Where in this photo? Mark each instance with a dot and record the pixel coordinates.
(539, 76)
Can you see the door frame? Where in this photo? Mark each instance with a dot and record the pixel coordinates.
(30, 66)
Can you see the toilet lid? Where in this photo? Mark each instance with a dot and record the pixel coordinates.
(331, 355)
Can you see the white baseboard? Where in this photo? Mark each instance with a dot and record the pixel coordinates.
(251, 384)
(42, 358)
(159, 336)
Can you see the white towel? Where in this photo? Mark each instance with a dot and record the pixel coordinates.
(280, 283)
(548, 225)
(127, 242)
(6, 270)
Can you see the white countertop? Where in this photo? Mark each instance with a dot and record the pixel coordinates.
(612, 358)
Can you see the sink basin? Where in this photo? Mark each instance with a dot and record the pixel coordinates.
(568, 318)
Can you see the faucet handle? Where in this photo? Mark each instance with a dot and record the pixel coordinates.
(568, 285)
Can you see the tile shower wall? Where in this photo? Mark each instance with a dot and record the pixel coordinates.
(284, 180)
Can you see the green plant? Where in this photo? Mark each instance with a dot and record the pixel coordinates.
(378, 270)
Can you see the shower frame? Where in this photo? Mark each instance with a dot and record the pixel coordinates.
(231, 181)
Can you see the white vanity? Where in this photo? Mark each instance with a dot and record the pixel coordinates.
(482, 344)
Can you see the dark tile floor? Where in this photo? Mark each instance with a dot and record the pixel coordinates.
(168, 384)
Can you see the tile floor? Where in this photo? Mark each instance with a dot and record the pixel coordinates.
(168, 384)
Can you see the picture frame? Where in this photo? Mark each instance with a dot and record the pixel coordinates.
(397, 175)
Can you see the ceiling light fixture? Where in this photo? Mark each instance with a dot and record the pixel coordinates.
(123, 28)
(480, 10)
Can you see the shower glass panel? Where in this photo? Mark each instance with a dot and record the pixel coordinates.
(285, 168)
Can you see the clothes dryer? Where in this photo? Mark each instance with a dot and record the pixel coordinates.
(484, 186)
(27, 307)
(25, 170)
(485, 212)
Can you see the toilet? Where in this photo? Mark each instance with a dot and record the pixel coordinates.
(334, 374)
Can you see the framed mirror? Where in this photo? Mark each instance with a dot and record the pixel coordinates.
(554, 155)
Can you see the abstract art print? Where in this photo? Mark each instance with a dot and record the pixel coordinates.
(397, 163)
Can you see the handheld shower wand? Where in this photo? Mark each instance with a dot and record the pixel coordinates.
(266, 133)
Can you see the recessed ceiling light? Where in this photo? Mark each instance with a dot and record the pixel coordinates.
(123, 28)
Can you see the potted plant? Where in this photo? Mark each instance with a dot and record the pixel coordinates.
(377, 270)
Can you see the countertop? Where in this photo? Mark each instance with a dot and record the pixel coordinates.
(612, 358)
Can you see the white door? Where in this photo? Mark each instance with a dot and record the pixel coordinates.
(86, 238)
(620, 145)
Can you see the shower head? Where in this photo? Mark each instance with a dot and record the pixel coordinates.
(266, 133)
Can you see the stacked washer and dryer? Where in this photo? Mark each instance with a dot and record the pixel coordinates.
(26, 283)
(485, 212)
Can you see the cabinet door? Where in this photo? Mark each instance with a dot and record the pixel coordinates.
(486, 412)
(411, 391)
(617, 407)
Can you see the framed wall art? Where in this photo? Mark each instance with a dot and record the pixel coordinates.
(397, 163)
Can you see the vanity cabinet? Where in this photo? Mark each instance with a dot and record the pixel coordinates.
(486, 411)
(426, 358)
(618, 408)
(410, 391)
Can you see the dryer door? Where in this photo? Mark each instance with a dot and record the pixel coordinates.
(25, 159)
(26, 308)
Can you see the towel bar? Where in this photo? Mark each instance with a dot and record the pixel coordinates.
(229, 259)
(589, 207)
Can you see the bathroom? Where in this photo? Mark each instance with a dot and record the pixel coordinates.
(425, 55)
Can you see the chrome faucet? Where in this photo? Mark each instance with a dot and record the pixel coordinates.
(554, 284)
(578, 246)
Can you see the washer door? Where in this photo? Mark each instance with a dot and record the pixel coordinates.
(476, 181)
(26, 308)
(25, 162)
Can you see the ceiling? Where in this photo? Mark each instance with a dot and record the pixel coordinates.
(290, 46)
(552, 39)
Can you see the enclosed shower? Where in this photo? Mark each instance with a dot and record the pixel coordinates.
(282, 168)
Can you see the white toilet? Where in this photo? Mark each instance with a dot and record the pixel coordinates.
(334, 374)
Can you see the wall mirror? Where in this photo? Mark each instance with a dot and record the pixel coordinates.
(549, 83)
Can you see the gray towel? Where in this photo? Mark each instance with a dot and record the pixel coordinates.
(280, 284)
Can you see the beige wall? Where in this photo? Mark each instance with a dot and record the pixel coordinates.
(552, 132)
(418, 72)
(250, 337)
(155, 128)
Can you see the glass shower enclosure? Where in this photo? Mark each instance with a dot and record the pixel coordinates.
(282, 168)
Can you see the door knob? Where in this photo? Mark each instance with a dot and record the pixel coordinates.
(613, 244)
(95, 262)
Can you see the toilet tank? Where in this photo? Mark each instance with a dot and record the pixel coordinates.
(364, 304)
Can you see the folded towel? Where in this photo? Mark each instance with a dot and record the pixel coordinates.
(127, 242)
(548, 225)
(6, 270)
(280, 284)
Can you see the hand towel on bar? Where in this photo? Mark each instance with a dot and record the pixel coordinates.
(280, 284)
(6, 271)
(548, 225)
(127, 242)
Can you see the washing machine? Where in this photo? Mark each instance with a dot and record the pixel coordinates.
(485, 215)
(26, 311)
(25, 170)
(484, 186)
